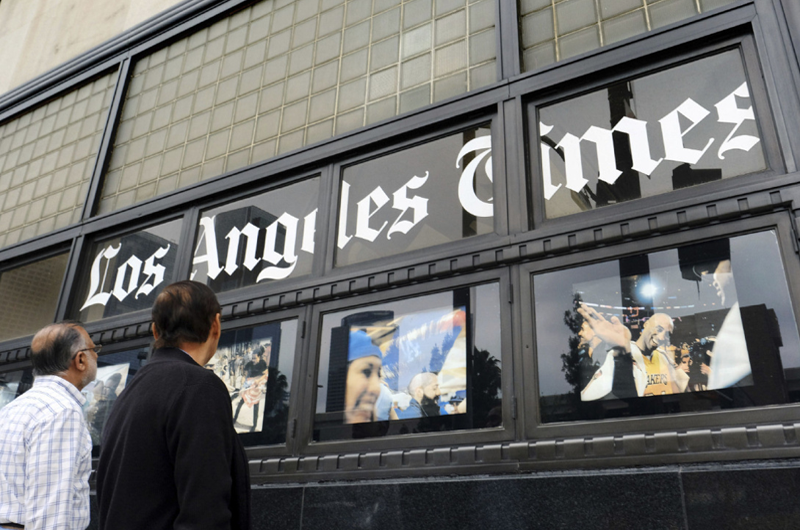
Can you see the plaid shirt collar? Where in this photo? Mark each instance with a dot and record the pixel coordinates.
(56, 381)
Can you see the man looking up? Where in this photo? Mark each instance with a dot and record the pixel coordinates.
(170, 456)
(45, 447)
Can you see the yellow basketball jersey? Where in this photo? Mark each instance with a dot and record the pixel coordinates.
(658, 382)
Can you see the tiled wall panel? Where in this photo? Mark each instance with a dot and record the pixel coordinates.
(283, 74)
(46, 161)
(554, 30)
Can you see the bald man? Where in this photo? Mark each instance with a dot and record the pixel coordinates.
(652, 372)
(424, 391)
(45, 447)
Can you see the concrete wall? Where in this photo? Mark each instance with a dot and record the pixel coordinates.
(38, 35)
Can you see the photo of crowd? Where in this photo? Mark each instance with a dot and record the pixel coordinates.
(244, 368)
(402, 367)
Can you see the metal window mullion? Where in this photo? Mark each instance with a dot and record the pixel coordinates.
(69, 285)
(183, 260)
(509, 47)
(106, 145)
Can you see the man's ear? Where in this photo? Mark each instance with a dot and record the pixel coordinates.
(216, 327)
(153, 329)
(79, 361)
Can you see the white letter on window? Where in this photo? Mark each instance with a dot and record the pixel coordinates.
(547, 179)
(673, 136)
(250, 231)
(344, 239)
(403, 203)
(135, 264)
(466, 187)
(363, 231)
(640, 146)
(309, 229)
(211, 258)
(271, 255)
(153, 271)
(96, 296)
(728, 112)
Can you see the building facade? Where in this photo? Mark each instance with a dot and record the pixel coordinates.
(482, 263)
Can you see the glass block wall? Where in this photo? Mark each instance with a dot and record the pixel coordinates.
(46, 161)
(30, 295)
(553, 30)
(283, 74)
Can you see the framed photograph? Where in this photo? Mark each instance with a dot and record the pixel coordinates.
(705, 326)
(255, 363)
(424, 364)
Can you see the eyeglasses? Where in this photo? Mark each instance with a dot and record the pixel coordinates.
(96, 348)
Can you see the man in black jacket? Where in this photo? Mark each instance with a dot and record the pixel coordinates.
(170, 456)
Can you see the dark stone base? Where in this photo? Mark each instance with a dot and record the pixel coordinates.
(751, 495)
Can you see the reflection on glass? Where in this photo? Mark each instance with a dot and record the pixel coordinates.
(114, 373)
(34, 289)
(701, 327)
(127, 273)
(419, 365)
(423, 196)
(674, 129)
(256, 366)
(266, 237)
(14, 384)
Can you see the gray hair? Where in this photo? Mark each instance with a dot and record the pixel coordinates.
(53, 346)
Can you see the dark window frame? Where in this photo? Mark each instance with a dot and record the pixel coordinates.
(260, 187)
(780, 222)
(84, 264)
(456, 437)
(427, 135)
(301, 315)
(765, 122)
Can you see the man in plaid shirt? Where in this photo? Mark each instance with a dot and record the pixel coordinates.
(45, 447)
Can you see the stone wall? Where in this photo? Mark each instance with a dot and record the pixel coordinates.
(38, 35)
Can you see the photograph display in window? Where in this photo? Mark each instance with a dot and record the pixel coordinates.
(14, 384)
(700, 327)
(126, 273)
(418, 365)
(426, 195)
(262, 238)
(256, 366)
(114, 373)
(681, 127)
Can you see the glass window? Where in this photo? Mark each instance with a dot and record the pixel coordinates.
(126, 273)
(266, 237)
(47, 158)
(681, 127)
(702, 327)
(554, 30)
(114, 373)
(31, 295)
(14, 384)
(256, 365)
(275, 77)
(427, 195)
(424, 364)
